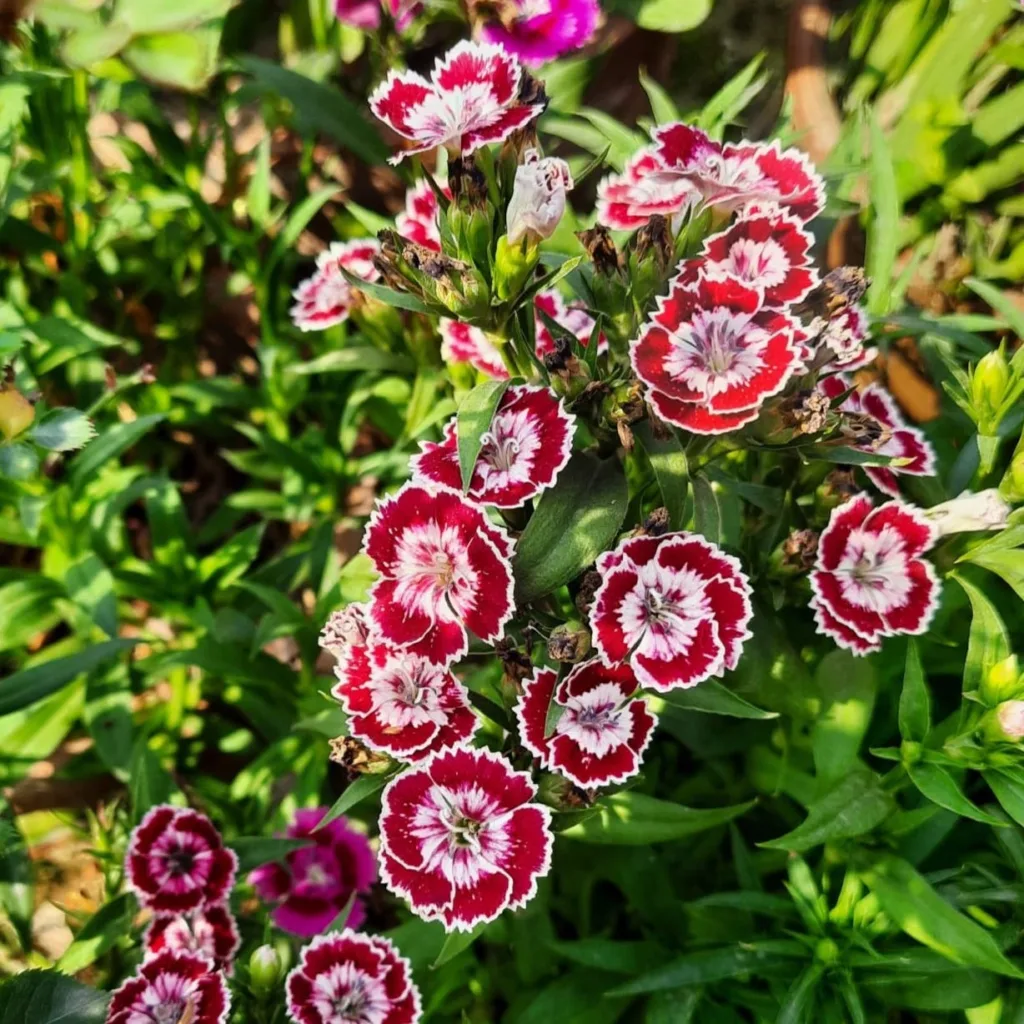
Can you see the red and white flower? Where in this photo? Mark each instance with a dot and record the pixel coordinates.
(172, 986)
(627, 201)
(527, 446)
(326, 298)
(712, 353)
(538, 198)
(402, 704)
(602, 732)
(904, 442)
(768, 250)
(211, 933)
(460, 839)
(462, 343)
(177, 862)
(471, 99)
(444, 569)
(843, 336)
(573, 318)
(345, 978)
(870, 581)
(675, 608)
(418, 221)
(346, 628)
(313, 884)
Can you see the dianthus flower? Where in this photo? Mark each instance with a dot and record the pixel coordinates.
(314, 883)
(601, 733)
(172, 986)
(326, 298)
(869, 581)
(541, 30)
(463, 343)
(574, 319)
(460, 839)
(627, 201)
(418, 221)
(674, 608)
(211, 932)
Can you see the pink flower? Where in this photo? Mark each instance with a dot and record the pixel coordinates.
(212, 933)
(314, 883)
(732, 176)
(766, 249)
(326, 298)
(543, 30)
(527, 446)
(538, 198)
(843, 336)
(402, 704)
(172, 986)
(344, 978)
(574, 319)
(345, 629)
(470, 101)
(402, 12)
(905, 442)
(461, 343)
(460, 839)
(675, 608)
(418, 221)
(627, 201)
(177, 861)
(712, 353)
(869, 581)
(444, 570)
(601, 734)
(364, 14)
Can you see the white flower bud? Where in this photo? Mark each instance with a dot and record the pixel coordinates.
(985, 510)
(1006, 723)
(538, 198)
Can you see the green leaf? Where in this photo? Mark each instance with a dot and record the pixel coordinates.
(712, 698)
(91, 45)
(573, 523)
(318, 108)
(668, 460)
(181, 60)
(915, 713)
(254, 851)
(800, 996)
(924, 915)
(90, 584)
(297, 222)
(63, 430)
(1008, 565)
(610, 955)
(1008, 786)
(18, 462)
(707, 510)
(474, 420)
(849, 686)
(355, 793)
(855, 805)
(357, 359)
(633, 819)
(149, 783)
(105, 928)
(883, 230)
(31, 684)
(456, 943)
(1001, 302)
(662, 106)
(48, 997)
(109, 445)
(229, 562)
(936, 783)
(146, 17)
(389, 296)
(28, 607)
(672, 15)
(988, 643)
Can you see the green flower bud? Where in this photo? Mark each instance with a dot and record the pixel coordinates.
(911, 751)
(513, 265)
(1004, 724)
(265, 970)
(989, 381)
(1002, 682)
(1012, 486)
(826, 951)
(16, 413)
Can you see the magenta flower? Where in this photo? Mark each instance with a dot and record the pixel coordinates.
(904, 442)
(172, 986)
(177, 862)
(461, 343)
(211, 933)
(601, 733)
(675, 608)
(460, 839)
(314, 883)
(444, 570)
(768, 250)
(712, 353)
(869, 581)
(402, 704)
(402, 12)
(345, 978)
(326, 298)
(573, 318)
(543, 30)
(527, 446)
(471, 99)
(363, 14)
(418, 221)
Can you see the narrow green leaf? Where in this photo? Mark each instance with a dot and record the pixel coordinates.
(356, 792)
(573, 523)
(668, 460)
(883, 230)
(254, 851)
(389, 296)
(924, 915)
(1008, 786)
(936, 783)
(915, 713)
(111, 443)
(1008, 565)
(662, 106)
(672, 15)
(357, 359)
(712, 698)
(1001, 302)
(456, 943)
(707, 510)
(610, 955)
(297, 222)
(149, 782)
(473, 421)
(106, 927)
(988, 643)
(800, 996)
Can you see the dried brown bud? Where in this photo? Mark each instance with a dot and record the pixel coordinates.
(585, 595)
(569, 643)
(516, 664)
(357, 758)
(840, 288)
(839, 486)
(805, 412)
(625, 433)
(601, 249)
(657, 522)
(531, 90)
(467, 182)
(800, 549)
(861, 430)
(654, 240)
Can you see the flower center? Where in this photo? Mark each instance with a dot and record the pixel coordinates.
(180, 862)
(595, 718)
(175, 1012)
(500, 452)
(443, 570)
(868, 572)
(656, 606)
(316, 875)
(465, 832)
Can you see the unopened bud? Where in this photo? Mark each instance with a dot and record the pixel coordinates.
(265, 970)
(560, 793)
(1002, 681)
(513, 264)
(796, 554)
(657, 523)
(989, 381)
(601, 249)
(1005, 724)
(839, 487)
(969, 512)
(357, 758)
(538, 198)
(569, 643)
(1012, 486)
(517, 665)
(654, 242)
(16, 413)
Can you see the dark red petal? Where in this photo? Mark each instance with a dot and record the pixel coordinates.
(917, 533)
(221, 880)
(729, 293)
(884, 479)
(733, 613)
(398, 742)
(439, 463)
(484, 900)
(400, 803)
(531, 711)
(393, 620)
(467, 64)
(491, 772)
(698, 418)
(680, 145)
(492, 604)
(922, 601)
(398, 97)
(591, 674)
(589, 771)
(327, 951)
(529, 856)
(605, 616)
(829, 592)
(836, 536)
(703, 658)
(829, 625)
(429, 892)
(501, 128)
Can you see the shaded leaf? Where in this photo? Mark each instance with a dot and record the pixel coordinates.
(474, 420)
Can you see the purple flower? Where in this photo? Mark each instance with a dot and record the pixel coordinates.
(544, 30)
(312, 885)
(364, 14)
